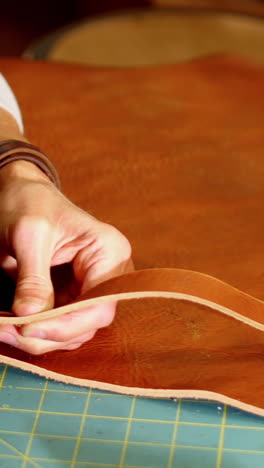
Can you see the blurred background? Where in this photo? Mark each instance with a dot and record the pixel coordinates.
(130, 32)
(22, 22)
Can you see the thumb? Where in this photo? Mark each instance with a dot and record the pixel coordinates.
(34, 290)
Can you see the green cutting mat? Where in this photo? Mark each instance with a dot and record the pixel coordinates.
(44, 424)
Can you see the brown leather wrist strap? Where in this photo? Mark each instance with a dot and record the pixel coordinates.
(15, 150)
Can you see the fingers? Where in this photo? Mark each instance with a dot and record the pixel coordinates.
(70, 326)
(109, 257)
(67, 332)
(32, 244)
(35, 346)
(8, 335)
(9, 264)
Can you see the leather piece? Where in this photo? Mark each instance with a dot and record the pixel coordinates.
(174, 158)
(163, 283)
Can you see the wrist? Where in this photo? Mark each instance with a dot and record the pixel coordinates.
(22, 170)
(17, 151)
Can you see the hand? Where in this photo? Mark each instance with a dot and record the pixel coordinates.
(40, 228)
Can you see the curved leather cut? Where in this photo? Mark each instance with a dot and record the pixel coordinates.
(189, 349)
(173, 157)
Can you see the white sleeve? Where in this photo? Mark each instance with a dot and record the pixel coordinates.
(9, 103)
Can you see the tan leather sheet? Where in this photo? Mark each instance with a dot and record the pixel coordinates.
(173, 157)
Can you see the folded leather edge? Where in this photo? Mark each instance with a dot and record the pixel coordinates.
(188, 279)
(133, 391)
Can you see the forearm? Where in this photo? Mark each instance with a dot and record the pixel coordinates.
(9, 130)
(12, 128)
(9, 104)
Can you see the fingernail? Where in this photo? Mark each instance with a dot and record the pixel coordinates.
(34, 334)
(8, 338)
(27, 307)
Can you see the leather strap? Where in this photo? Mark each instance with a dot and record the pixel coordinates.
(15, 150)
(168, 283)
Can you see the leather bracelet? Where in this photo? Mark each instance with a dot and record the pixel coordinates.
(16, 150)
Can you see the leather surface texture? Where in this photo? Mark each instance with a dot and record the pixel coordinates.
(173, 157)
